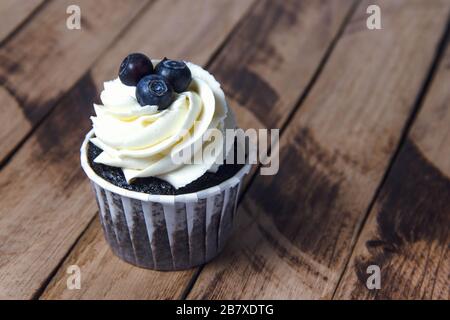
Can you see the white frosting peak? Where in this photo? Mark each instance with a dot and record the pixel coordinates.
(142, 140)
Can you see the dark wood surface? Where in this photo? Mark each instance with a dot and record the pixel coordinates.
(364, 153)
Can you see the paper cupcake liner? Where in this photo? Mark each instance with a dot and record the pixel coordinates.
(165, 232)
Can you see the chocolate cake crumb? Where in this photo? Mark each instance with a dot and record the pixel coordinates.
(152, 185)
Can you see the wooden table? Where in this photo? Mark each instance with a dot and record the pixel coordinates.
(364, 150)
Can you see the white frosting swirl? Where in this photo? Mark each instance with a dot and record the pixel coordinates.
(142, 140)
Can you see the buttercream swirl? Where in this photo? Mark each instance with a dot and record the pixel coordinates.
(142, 140)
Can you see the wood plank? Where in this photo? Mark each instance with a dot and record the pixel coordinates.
(43, 204)
(46, 198)
(297, 228)
(14, 14)
(45, 59)
(261, 73)
(407, 231)
(104, 276)
(273, 57)
(147, 285)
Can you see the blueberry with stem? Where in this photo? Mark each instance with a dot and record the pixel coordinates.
(176, 72)
(154, 90)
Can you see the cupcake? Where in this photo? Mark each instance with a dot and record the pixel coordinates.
(162, 163)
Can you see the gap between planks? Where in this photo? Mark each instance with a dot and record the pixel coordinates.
(285, 124)
(4, 162)
(7, 157)
(24, 22)
(45, 284)
(431, 74)
(10, 156)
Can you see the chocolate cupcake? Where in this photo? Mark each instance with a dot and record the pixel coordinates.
(162, 166)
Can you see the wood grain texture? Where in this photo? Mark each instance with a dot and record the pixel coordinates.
(45, 59)
(104, 276)
(95, 287)
(14, 14)
(260, 70)
(297, 228)
(270, 60)
(407, 232)
(92, 252)
(43, 205)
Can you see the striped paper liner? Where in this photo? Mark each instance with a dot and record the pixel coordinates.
(165, 232)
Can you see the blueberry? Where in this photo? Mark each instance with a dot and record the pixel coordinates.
(154, 90)
(134, 67)
(176, 72)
